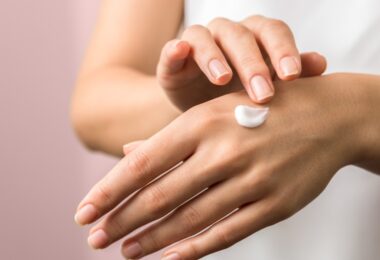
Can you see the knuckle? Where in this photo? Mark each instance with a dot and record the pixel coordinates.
(155, 201)
(194, 29)
(258, 183)
(190, 217)
(254, 21)
(204, 116)
(192, 248)
(138, 165)
(282, 208)
(237, 30)
(233, 155)
(114, 226)
(102, 192)
(224, 236)
(218, 21)
(152, 240)
(275, 24)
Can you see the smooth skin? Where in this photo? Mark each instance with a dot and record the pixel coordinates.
(258, 49)
(278, 168)
(120, 80)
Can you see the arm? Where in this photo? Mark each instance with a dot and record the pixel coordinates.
(118, 74)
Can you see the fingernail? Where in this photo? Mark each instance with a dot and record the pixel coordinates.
(86, 215)
(289, 66)
(173, 256)
(217, 69)
(132, 250)
(98, 239)
(261, 88)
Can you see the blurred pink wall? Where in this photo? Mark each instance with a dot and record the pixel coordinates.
(44, 170)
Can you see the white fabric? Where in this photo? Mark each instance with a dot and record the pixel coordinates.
(343, 222)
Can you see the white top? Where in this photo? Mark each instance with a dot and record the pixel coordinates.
(344, 221)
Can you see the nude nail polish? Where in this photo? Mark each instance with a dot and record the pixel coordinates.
(261, 88)
(217, 69)
(289, 66)
(86, 215)
(132, 250)
(172, 256)
(98, 239)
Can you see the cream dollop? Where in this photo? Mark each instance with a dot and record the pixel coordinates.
(250, 116)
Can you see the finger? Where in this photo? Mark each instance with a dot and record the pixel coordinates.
(127, 148)
(237, 226)
(156, 155)
(172, 59)
(162, 196)
(277, 40)
(313, 64)
(207, 54)
(192, 217)
(241, 48)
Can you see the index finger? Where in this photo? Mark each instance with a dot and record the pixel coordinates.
(155, 156)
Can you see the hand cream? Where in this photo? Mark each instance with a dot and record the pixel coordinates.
(250, 116)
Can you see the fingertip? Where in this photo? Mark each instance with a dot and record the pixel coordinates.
(86, 215)
(220, 72)
(321, 59)
(223, 79)
(98, 239)
(289, 68)
(313, 63)
(261, 90)
(263, 101)
(178, 50)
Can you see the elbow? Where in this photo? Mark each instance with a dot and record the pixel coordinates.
(83, 121)
(81, 128)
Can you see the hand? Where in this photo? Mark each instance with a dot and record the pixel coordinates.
(261, 175)
(258, 48)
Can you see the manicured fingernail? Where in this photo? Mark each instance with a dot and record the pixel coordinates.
(86, 215)
(217, 69)
(289, 66)
(98, 239)
(132, 250)
(261, 88)
(173, 256)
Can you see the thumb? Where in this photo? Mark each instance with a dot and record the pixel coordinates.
(172, 59)
(313, 64)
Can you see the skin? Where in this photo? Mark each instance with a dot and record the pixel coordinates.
(256, 46)
(278, 168)
(116, 75)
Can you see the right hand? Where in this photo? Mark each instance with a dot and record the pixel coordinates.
(258, 50)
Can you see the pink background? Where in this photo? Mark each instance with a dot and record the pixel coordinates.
(44, 170)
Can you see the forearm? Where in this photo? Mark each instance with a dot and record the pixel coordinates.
(116, 105)
(370, 158)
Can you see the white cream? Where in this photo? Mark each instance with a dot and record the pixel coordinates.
(250, 116)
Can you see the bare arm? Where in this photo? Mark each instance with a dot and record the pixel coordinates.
(116, 84)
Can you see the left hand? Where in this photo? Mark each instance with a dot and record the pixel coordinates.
(266, 174)
(248, 54)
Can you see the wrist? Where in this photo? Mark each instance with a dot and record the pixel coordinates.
(370, 131)
(363, 98)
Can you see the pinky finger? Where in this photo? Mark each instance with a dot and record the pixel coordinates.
(225, 233)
